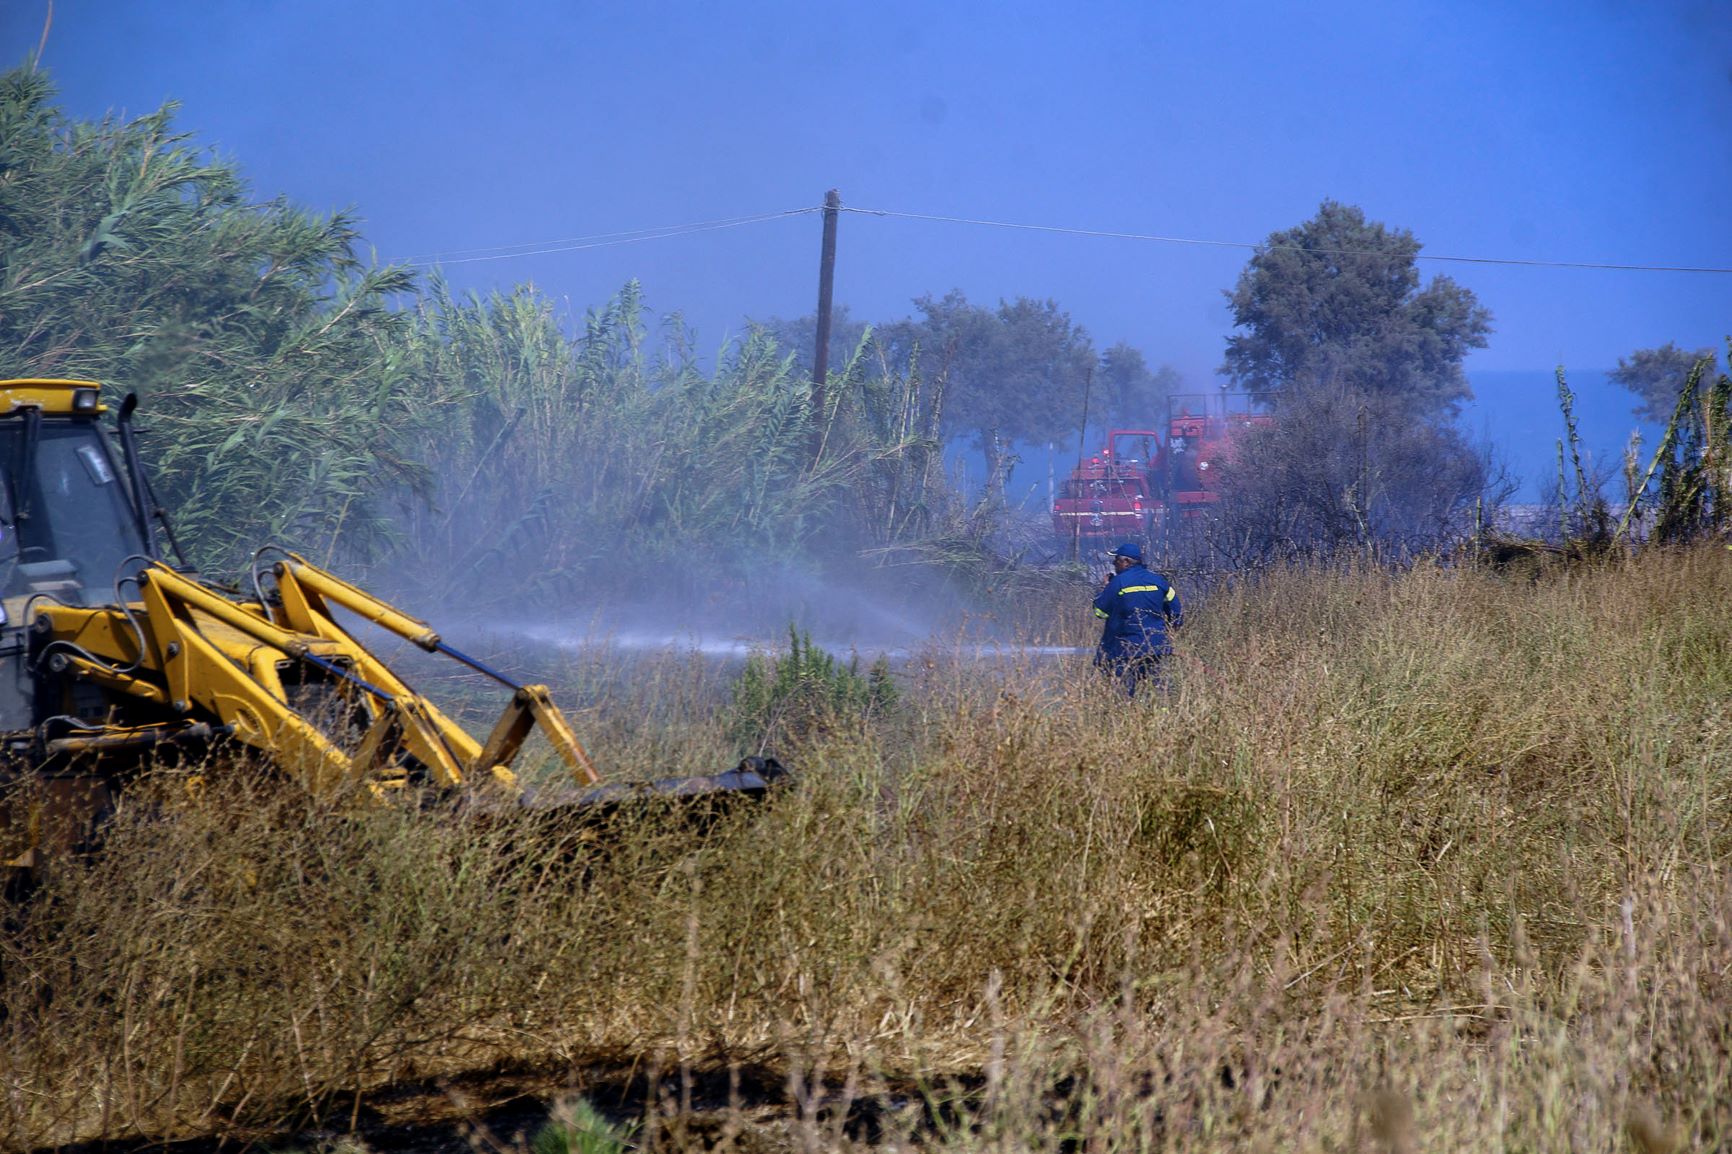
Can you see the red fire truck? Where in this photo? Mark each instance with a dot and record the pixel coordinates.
(1114, 494)
(1145, 482)
(1201, 430)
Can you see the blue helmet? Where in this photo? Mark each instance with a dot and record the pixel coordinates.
(1129, 550)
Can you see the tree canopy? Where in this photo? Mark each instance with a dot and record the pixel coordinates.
(1337, 302)
(1363, 368)
(1127, 392)
(1657, 376)
(1017, 371)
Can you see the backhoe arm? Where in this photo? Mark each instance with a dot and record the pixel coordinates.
(290, 681)
(307, 593)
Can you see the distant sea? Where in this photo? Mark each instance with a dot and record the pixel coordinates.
(1515, 413)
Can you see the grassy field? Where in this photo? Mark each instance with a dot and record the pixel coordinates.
(1422, 860)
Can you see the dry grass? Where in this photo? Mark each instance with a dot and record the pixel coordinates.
(1404, 861)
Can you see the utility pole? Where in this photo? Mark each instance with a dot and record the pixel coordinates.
(821, 354)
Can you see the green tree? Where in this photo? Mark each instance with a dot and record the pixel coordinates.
(1362, 367)
(799, 336)
(1657, 377)
(1127, 393)
(1336, 303)
(1694, 460)
(1018, 370)
(997, 376)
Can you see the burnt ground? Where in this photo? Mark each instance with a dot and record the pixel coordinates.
(746, 1109)
(739, 1109)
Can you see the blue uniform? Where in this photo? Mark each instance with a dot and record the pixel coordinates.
(1137, 609)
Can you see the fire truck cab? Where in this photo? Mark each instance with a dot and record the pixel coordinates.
(1112, 495)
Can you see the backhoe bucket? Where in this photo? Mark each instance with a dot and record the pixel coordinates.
(751, 779)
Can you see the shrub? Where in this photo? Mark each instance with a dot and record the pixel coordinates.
(579, 1128)
(806, 692)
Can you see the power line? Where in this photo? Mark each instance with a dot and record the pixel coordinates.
(597, 240)
(1241, 244)
(667, 232)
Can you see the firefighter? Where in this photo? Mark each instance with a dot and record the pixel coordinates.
(1138, 611)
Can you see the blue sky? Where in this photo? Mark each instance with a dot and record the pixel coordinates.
(1582, 131)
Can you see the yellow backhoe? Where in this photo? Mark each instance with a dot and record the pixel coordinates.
(112, 658)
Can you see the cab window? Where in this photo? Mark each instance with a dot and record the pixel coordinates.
(68, 525)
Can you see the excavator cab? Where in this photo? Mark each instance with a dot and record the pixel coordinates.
(71, 526)
(71, 529)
